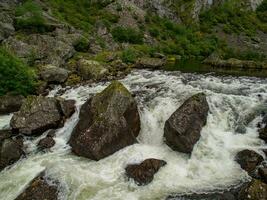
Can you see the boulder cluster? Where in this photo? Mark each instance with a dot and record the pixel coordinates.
(108, 122)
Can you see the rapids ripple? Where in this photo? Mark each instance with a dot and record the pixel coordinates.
(159, 94)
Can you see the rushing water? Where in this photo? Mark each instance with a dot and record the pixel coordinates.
(232, 101)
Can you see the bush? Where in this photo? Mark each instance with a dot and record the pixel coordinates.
(262, 11)
(15, 76)
(29, 17)
(130, 35)
(129, 56)
(81, 45)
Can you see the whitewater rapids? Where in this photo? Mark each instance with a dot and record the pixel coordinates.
(232, 101)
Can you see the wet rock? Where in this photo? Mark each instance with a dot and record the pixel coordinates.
(248, 160)
(46, 143)
(40, 189)
(53, 74)
(152, 63)
(10, 103)
(256, 190)
(143, 173)
(108, 122)
(10, 149)
(182, 129)
(263, 129)
(37, 114)
(90, 69)
(67, 107)
(262, 171)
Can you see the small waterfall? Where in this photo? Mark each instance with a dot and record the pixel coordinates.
(211, 165)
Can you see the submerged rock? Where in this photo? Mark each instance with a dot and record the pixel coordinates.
(108, 122)
(40, 189)
(182, 129)
(248, 160)
(10, 103)
(53, 74)
(37, 115)
(152, 63)
(143, 173)
(90, 69)
(10, 149)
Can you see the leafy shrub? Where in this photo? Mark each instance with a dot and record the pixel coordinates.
(129, 56)
(15, 76)
(81, 45)
(29, 17)
(130, 35)
(262, 11)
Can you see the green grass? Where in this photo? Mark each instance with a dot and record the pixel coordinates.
(233, 19)
(180, 39)
(15, 76)
(82, 14)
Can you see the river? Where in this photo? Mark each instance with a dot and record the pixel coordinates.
(232, 102)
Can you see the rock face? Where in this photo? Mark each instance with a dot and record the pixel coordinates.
(90, 69)
(53, 74)
(248, 160)
(40, 189)
(10, 103)
(256, 190)
(10, 149)
(263, 174)
(152, 63)
(108, 122)
(182, 129)
(143, 173)
(37, 115)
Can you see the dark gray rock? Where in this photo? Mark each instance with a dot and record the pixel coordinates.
(40, 189)
(108, 122)
(11, 149)
(53, 74)
(39, 114)
(248, 160)
(182, 129)
(10, 103)
(144, 172)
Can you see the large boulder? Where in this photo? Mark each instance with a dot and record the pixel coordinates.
(248, 160)
(90, 69)
(143, 173)
(108, 122)
(11, 149)
(256, 190)
(38, 114)
(152, 63)
(10, 103)
(40, 189)
(182, 129)
(53, 74)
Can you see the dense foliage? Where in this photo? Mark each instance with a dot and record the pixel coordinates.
(29, 16)
(15, 76)
(232, 18)
(82, 14)
(130, 35)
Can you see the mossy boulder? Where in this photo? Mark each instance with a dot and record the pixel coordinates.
(256, 190)
(53, 74)
(182, 129)
(91, 70)
(38, 114)
(108, 122)
(152, 63)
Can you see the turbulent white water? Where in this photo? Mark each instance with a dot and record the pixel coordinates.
(211, 165)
